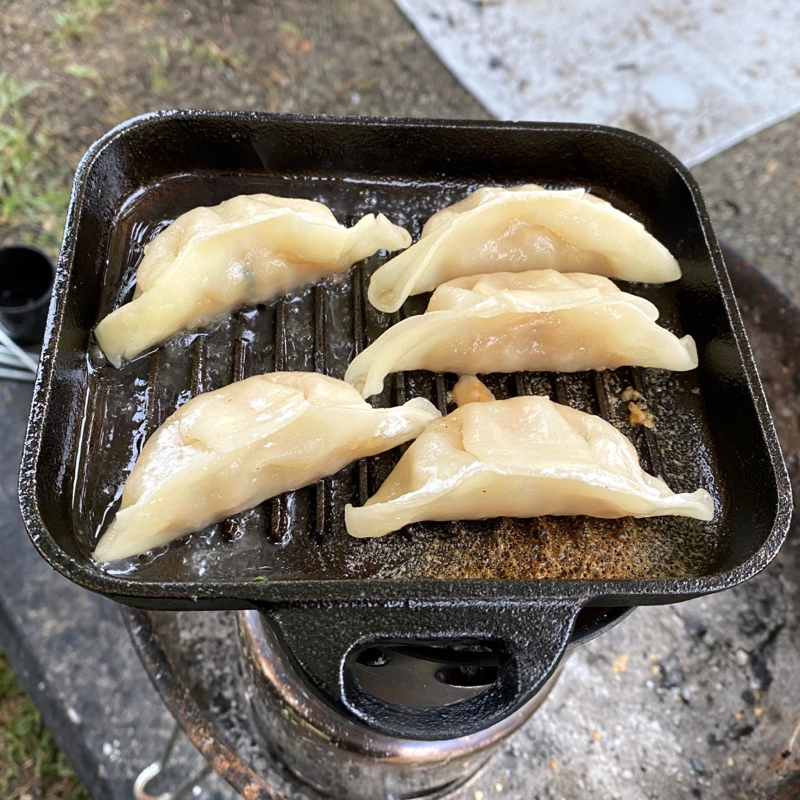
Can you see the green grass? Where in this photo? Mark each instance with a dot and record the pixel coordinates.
(31, 766)
(75, 21)
(159, 65)
(211, 54)
(33, 183)
(83, 71)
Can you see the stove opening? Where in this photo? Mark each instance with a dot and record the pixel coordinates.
(468, 675)
(426, 676)
(373, 657)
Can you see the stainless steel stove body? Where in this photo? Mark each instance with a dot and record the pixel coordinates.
(701, 696)
(339, 756)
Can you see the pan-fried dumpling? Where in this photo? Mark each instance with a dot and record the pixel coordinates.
(247, 250)
(229, 450)
(522, 457)
(518, 321)
(514, 230)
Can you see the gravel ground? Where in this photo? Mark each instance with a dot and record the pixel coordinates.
(753, 196)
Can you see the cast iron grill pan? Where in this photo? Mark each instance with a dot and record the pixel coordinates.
(517, 583)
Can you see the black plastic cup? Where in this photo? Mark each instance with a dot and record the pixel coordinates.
(26, 280)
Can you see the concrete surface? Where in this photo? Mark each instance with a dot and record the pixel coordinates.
(73, 653)
(694, 76)
(753, 196)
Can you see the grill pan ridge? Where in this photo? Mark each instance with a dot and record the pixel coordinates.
(88, 420)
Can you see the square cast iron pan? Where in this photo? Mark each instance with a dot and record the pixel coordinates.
(159, 165)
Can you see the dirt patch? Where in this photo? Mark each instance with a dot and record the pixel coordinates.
(89, 64)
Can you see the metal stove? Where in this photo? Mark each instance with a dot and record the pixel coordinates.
(711, 665)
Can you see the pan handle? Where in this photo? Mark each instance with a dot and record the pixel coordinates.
(529, 637)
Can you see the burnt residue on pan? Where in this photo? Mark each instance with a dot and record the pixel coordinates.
(89, 421)
(291, 558)
(301, 534)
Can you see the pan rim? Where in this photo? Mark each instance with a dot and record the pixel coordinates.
(307, 592)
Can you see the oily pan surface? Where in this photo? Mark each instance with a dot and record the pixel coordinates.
(302, 534)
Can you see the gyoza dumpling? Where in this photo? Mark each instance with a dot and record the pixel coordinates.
(226, 451)
(523, 228)
(523, 457)
(246, 250)
(518, 321)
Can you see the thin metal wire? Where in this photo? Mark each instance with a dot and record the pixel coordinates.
(152, 771)
(17, 375)
(24, 359)
(9, 359)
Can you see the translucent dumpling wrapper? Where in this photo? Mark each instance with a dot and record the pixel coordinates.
(519, 229)
(229, 450)
(528, 321)
(249, 249)
(522, 457)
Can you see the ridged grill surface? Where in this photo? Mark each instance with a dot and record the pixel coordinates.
(321, 328)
